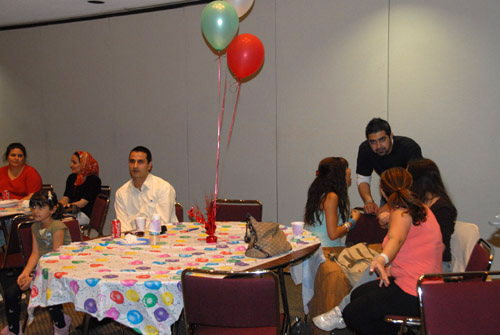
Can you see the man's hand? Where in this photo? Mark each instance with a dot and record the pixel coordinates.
(371, 207)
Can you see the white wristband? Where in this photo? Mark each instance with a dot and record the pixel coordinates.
(385, 257)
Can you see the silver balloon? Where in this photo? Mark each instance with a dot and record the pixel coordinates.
(241, 6)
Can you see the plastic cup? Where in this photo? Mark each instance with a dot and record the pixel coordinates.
(298, 228)
(155, 224)
(140, 224)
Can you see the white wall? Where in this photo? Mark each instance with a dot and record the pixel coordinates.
(107, 85)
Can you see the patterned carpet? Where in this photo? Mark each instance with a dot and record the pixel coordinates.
(42, 325)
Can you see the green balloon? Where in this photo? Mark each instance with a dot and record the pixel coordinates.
(219, 24)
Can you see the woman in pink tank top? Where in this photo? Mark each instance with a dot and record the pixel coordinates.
(413, 246)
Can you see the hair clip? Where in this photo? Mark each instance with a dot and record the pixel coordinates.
(49, 194)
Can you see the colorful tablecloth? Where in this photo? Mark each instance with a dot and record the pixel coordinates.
(139, 285)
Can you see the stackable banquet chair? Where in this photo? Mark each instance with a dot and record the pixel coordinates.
(48, 187)
(106, 190)
(74, 229)
(179, 212)
(462, 242)
(220, 302)
(97, 218)
(367, 230)
(455, 303)
(479, 261)
(237, 210)
(12, 258)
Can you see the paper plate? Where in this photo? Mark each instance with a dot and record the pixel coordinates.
(8, 203)
(140, 241)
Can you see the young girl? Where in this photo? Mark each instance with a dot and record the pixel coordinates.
(327, 207)
(48, 235)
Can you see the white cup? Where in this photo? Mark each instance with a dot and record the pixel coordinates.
(140, 223)
(298, 228)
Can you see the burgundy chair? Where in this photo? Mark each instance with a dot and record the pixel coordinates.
(237, 210)
(179, 212)
(479, 261)
(97, 218)
(106, 190)
(74, 230)
(366, 230)
(219, 302)
(462, 307)
(25, 239)
(12, 257)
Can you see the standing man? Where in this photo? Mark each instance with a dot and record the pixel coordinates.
(145, 194)
(381, 151)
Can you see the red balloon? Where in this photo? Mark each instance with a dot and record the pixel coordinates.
(245, 55)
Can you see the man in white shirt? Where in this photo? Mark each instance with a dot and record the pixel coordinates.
(145, 194)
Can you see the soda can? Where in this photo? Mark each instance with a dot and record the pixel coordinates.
(116, 228)
(6, 194)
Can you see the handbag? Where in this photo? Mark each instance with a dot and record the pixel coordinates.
(354, 261)
(265, 239)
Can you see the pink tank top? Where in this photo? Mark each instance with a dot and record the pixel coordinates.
(422, 252)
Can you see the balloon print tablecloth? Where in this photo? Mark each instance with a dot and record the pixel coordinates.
(139, 284)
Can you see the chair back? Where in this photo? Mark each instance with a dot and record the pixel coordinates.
(25, 239)
(106, 190)
(459, 307)
(462, 242)
(74, 230)
(237, 210)
(48, 187)
(231, 302)
(481, 258)
(367, 230)
(179, 212)
(98, 216)
(12, 257)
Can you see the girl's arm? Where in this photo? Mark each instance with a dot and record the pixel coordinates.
(399, 226)
(24, 278)
(330, 206)
(57, 239)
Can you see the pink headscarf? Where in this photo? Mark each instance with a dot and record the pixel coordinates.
(88, 167)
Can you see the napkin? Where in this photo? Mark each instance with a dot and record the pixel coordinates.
(131, 239)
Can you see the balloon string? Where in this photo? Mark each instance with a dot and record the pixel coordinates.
(234, 115)
(219, 76)
(220, 118)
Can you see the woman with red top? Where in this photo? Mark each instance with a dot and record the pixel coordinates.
(413, 246)
(82, 185)
(18, 178)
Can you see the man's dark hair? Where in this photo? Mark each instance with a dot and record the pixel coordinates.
(377, 124)
(140, 148)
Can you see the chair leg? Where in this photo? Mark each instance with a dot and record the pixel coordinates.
(284, 298)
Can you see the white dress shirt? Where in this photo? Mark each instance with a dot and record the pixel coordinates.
(156, 196)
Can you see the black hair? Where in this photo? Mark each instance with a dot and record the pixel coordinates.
(377, 124)
(47, 198)
(145, 150)
(427, 181)
(330, 178)
(77, 155)
(13, 146)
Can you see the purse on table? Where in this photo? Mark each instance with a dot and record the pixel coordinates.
(265, 239)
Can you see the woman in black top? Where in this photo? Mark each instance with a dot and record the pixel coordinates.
(83, 185)
(429, 187)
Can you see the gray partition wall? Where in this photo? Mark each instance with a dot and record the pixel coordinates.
(104, 86)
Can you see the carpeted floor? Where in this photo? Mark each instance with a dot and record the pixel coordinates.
(42, 324)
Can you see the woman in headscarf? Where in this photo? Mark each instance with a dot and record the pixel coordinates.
(83, 185)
